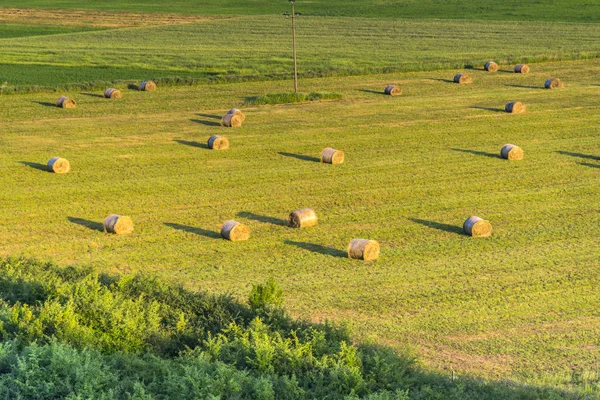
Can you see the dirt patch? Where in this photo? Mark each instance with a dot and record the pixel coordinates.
(91, 18)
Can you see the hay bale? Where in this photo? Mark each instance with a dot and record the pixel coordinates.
(234, 231)
(216, 142)
(233, 119)
(118, 224)
(521, 68)
(511, 152)
(515, 107)
(477, 227)
(112, 93)
(490, 66)
(66, 102)
(553, 83)
(332, 156)
(147, 86)
(393, 90)
(363, 249)
(59, 165)
(462, 78)
(302, 218)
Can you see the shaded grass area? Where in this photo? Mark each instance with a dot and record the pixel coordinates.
(259, 49)
(519, 305)
(283, 98)
(558, 10)
(71, 333)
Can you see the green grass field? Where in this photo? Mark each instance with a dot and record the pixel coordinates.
(518, 305)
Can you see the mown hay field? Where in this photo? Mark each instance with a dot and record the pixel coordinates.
(521, 304)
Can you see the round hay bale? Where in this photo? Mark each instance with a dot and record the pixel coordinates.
(477, 227)
(59, 165)
(511, 152)
(235, 111)
(234, 231)
(303, 218)
(393, 90)
(491, 66)
(66, 102)
(332, 156)
(112, 93)
(521, 68)
(118, 224)
(515, 107)
(363, 249)
(553, 83)
(216, 142)
(147, 86)
(462, 78)
(233, 119)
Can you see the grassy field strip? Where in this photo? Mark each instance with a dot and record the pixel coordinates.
(496, 307)
(259, 47)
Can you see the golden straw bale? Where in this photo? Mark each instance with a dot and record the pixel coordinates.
(233, 118)
(393, 90)
(511, 152)
(477, 227)
(234, 231)
(363, 249)
(332, 156)
(112, 93)
(59, 165)
(522, 68)
(235, 111)
(119, 224)
(490, 66)
(303, 218)
(147, 86)
(216, 142)
(515, 107)
(66, 102)
(553, 83)
(462, 78)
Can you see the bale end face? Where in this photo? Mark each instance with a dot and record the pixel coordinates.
(491, 66)
(363, 249)
(521, 68)
(234, 231)
(59, 165)
(112, 93)
(477, 227)
(147, 86)
(332, 156)
(511, 152)
(304, 218)
(462, 78)
(393, 90)
(118, 224)
(553, 83)
(66, 102)
(232, 120)
(217, 142)
(515, 107)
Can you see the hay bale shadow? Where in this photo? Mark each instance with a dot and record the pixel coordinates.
(317, 248)
(93, 225)
(441, 80)
(133, 86)
(472, 68)
(580, 155)
(300, 156)
(207, 123)
(92, 95)
(478, 153)
(209, 116)
(34, 165)
(193, 144)
(45, 103)
(498, 110)
(372, 91)
(589, 165)
(438, 226)
(193, 229)
(262, 218)
(526, 86)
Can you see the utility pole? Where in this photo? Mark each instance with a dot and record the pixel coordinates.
(294, 46)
